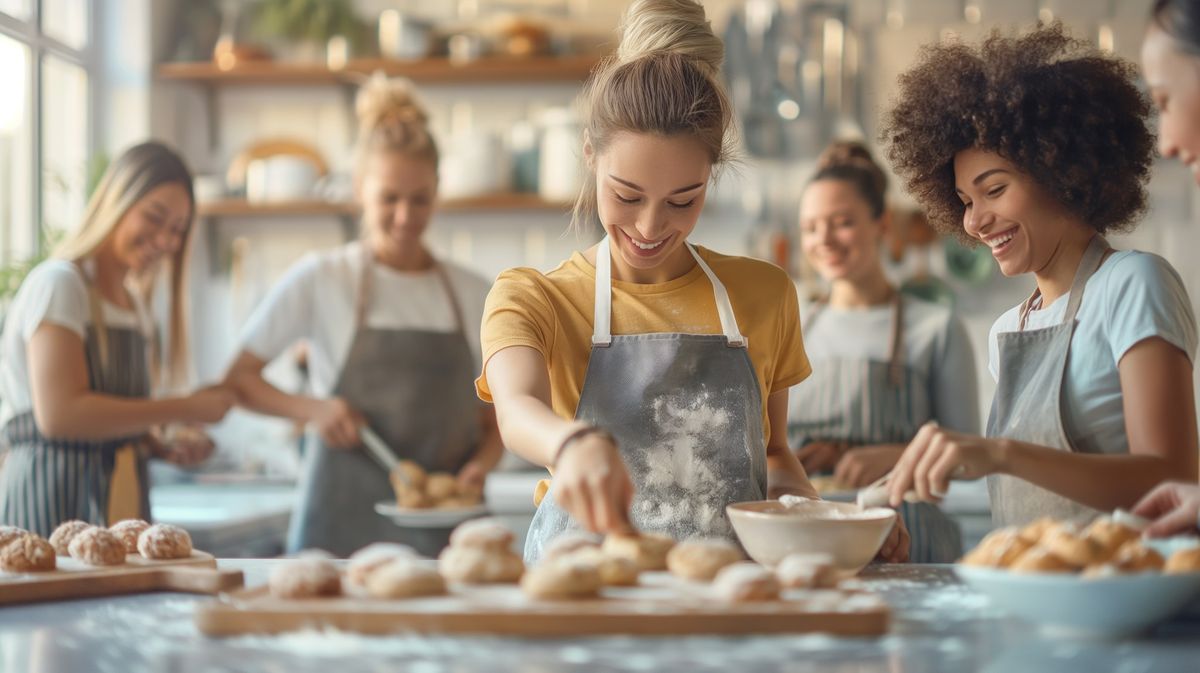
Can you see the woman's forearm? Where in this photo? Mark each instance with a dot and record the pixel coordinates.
(96, 416)
(257, 394)
(531, 429)
(491, 447)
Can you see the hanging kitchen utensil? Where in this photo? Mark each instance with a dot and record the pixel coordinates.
(381, 452)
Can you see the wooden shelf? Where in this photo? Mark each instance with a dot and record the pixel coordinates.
(490, 202)
(431, 70)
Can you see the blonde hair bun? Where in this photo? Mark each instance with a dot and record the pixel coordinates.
(390, 116)
(676, 26)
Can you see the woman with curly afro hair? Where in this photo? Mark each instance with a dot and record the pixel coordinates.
(1037, 146)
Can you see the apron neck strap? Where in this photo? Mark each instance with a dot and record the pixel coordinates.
(602, 318)
(896, 348)
(363, 298)
(1097, 248)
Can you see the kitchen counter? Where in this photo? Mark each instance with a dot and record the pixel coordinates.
(939, 625)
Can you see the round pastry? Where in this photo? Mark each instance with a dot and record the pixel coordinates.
(1134, 557)
(1101, 571)
(615, 571)
(471, 492)
(1110, 535)
(163, 541)
(457, 502)
(1033, 532)
(61, 538)
(127, 532)
(562, 578)
(366, 560)
(1000, 549)
(440, 485)
(1184, 561)
(1040, 560)
(27, 553)
(807, 571)
(97, 547)
(569, 543)
(405, 577)
(310, 575)
(648, 550)
(1068, 545)
(475, 565)
(701, 559)
(10, 533)
(411, 478)
(482, 534)
(746, 581)
(412, 500)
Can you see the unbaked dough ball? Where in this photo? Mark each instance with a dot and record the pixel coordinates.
(746, 581)
(61, 538)
(27, 553)
(127, 532)
(486, 533)
(441, 485)
(615, 571)
(1134, 557)
(562, 578)
(1068, 544)
(97, 547)
(408, 481)
(1110, 535)
(310, 575)
(701, 559)
(569, 542)
(648, 550)
(807, 571)
(1000, 549)
(1040, 560)
(1033, 532)
(1184, 561)
(405, 577)
(366, 560)
(10, 533)
(163, 541)
(480, 565)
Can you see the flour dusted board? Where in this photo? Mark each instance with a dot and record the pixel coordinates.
(662, 605)
(73, 579)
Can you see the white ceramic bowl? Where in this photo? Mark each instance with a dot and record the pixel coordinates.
(1071, 605)
(769, 531)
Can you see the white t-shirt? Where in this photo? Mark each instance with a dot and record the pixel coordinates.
(315, 299)
(54, 293)
(936, 346)
(1132, 297)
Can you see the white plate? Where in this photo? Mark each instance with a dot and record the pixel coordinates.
(429, 518)
(1067, 604)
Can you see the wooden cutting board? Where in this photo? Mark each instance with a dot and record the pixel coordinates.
(73, 579)
(662, 605)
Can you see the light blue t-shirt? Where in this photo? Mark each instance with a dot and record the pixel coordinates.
(1132, 297)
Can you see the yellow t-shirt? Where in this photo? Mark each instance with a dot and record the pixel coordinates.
(553, 312)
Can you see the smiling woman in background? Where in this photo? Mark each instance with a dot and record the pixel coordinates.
(1037, 146)
(390, 330)
(882, 364)
(80, 355)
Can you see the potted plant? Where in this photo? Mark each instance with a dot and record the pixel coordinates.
(306, 26)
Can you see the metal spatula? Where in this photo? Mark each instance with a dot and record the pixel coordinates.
(380, 451)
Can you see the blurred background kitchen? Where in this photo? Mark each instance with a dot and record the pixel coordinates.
(258, 95)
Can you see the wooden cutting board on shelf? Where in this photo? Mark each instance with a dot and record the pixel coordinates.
(73, 579)
(662, 605)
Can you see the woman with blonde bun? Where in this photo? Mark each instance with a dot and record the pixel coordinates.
(81, 361)
(650, 375)
(390, 330)
(883, 364)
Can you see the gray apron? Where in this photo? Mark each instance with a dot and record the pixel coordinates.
(686, 411)
(48, 481)
(864, 402)
(414, 389)
(1028, 403)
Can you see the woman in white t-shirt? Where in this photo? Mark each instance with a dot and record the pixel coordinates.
(1037, 148)
(392, 337)
(79, 356)
(883, 364)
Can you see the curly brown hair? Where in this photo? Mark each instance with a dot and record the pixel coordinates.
(1064, 113)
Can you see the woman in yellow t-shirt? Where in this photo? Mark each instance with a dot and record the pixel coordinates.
(673, 361)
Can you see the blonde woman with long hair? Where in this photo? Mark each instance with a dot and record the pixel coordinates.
(81, 353)
(392, 334)
(649, 374)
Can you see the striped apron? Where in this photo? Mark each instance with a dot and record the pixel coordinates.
(47, 481)
(865, 402)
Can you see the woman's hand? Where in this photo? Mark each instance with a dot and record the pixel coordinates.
(209, 404)
(821, 456)
(895, 547)
(337, 423)
(935, 455)
(187, 446)
(471, 478)
(861, 466)
(593, 486)
(1174, 506)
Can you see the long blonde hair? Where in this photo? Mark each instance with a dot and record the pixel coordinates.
(391, 119)
(663, 80)
(129, 178)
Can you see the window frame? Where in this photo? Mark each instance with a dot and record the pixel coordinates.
(29, 32)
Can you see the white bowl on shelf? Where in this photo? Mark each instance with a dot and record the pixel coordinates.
(1066, 604)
